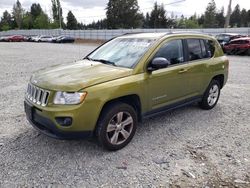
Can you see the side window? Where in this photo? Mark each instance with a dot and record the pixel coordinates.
(172, 51)
(203, 49)
(210, 47)
(194, 49)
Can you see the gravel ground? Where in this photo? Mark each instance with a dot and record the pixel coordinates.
(187, 147)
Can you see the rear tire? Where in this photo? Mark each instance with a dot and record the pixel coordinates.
(248, 52)
(116, 126)
(211, 96)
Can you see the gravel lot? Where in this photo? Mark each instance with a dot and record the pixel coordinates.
(183, 148)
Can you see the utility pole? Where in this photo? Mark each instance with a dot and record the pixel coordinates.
(60, 18)
(229, 11)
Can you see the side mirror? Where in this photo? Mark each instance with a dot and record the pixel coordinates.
(158, 63)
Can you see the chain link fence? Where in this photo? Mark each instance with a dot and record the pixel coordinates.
(108, 34)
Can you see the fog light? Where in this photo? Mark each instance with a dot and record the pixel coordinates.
(64, 121)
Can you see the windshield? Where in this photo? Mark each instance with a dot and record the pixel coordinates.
(122, 52)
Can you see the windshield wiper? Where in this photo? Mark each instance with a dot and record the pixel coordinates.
(102, 61)
(88, 58)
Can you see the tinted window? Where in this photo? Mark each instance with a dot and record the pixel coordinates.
(203, 49)
(194, 49)
(210, 47)
(172, 51)
(233, 42)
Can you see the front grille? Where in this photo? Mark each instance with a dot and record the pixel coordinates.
(37, 95)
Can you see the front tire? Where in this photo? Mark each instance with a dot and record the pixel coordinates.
(211, 96)
(116, 126)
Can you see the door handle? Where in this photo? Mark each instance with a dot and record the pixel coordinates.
(182, 71)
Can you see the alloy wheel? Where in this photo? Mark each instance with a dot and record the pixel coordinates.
(213, 95)
(119, 128)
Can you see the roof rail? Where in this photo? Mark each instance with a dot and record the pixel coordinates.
(132, 33)
(188, 32)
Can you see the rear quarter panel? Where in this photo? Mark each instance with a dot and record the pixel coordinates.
(218, 65)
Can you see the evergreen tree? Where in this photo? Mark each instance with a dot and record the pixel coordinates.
(123, 14)
(146, 21)
(244, 18)
(6, 22)
(71, 21)
(220, 18)
(18, 13)
(100, 24)
(158, 17)
(201, 20)
(181, 22)
(235, 17)
(57, 12)
(42, 21)
(248, 18)
(210, 15)
(35, 10)
(192, 22)
(27, 21)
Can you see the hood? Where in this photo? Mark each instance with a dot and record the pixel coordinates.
(76, 76)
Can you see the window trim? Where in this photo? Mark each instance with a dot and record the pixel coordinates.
(189, 51)
(206, 46)
(161, 45)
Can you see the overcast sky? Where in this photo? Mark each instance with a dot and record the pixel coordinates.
(88, 10)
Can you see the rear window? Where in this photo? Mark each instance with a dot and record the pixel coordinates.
(200, 49)
(225, 38)
(194, 49)
(210, 47)
(204, 49)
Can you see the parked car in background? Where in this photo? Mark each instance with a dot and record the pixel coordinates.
(43, 38)
(3, 39)
(35, 38)
(65, 39)
(54, 39)
(225, 38)
(15, 38)
(29, 38)
(238, 46)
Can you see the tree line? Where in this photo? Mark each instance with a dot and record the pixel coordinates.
(37, 18)
(121, 14)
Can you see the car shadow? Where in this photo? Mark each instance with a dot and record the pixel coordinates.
(29, 151)
(32, 145)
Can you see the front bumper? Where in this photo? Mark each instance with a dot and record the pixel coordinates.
(48, 127)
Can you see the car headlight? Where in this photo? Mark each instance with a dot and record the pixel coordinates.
(69, 97)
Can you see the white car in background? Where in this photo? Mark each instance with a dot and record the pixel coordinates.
(35, 38)
(43, 38)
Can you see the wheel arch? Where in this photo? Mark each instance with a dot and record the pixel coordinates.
(220, 78)
(132, 100)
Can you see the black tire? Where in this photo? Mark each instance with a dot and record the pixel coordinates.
(212, 97)
(110, 114)
(248, 52)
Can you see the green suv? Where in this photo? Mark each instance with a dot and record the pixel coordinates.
(129, 78)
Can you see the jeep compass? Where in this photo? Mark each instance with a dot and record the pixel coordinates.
(128, 78)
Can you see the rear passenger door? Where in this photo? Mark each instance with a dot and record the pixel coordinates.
(199, 57)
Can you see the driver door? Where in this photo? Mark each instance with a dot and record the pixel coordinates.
(168, 85)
